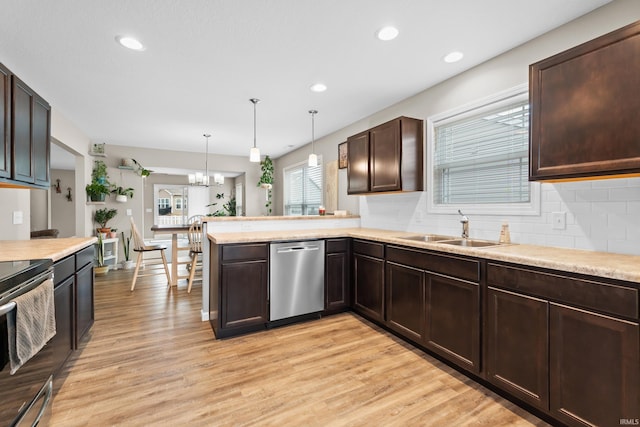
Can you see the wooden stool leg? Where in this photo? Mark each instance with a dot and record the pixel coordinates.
(194, 260)
(166, 268)
(135, 272)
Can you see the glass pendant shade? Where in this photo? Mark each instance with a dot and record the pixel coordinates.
(254, 154)
(313, 158)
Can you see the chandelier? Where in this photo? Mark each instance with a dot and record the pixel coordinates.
(199, 178)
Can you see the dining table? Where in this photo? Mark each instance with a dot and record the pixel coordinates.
(174, 230)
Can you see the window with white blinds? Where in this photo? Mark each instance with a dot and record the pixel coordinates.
(480, 157)
(303, 189)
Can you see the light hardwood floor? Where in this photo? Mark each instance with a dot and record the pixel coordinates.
(150, 361)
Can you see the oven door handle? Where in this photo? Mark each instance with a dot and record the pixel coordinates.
(7, 308)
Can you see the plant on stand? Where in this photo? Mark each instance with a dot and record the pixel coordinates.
(99, 186)
(101, 268)
(266, 180)
(127, 264)
(102, 217)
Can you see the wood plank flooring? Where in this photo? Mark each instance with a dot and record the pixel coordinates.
(150, 361)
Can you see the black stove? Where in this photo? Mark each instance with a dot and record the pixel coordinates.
(13, 273)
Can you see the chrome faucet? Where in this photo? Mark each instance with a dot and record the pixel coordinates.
(465, 225)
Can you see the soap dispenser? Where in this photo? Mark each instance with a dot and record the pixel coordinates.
(505, 237)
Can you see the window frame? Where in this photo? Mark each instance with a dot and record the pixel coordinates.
(284, 183)
(501, 99)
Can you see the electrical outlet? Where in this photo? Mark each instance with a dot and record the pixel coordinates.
(559, 220)
(129, 213)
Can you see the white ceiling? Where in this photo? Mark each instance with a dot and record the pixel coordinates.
(204, 59)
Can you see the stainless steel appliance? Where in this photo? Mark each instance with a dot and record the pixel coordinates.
(24, 396)
(296, 279)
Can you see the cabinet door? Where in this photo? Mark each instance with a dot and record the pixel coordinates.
(22, 142)
(384, 143)
(84, 301)
(358, 163)
(5, 122)
(453, 320)
(517, 351)
(63, 341)
(595, 374)
(368, 276)
(41, 129)
(337, 281)
(243, 294)
(405, 300)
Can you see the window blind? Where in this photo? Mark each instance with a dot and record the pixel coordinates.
(483, 158)
(302, 189)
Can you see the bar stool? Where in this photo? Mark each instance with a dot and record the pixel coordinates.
(142, 248)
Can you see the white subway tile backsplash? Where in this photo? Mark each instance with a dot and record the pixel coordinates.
(600, 215)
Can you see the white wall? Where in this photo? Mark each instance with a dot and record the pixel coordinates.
(601, 215)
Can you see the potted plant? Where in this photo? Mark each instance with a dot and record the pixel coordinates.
(141, 170)
(101, 268)
(99, 186)
(122, 193)
(102, 217)
(127, 264)
(97, 191)
(266, 180)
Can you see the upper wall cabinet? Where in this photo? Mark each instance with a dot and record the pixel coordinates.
(26, 130)
(386, 158)
(584, 109)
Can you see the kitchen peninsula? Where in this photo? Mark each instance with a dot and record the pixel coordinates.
(538, 324)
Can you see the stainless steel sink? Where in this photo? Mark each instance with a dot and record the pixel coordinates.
(426, 238)
(470, 243)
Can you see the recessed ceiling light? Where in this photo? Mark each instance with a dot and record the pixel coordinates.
(387, 33)
(453, 57)
(318, 87)
(130, 43)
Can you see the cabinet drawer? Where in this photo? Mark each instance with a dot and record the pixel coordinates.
(337, 245)
(84, 256)
(462, 268)
(600, 296)
(372, 249)
(245, 252)
(63, 269)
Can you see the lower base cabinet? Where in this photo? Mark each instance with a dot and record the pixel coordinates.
(517, 345)
(84, 302)
(337, 275)
(595, 374)
(238, 296)
(406, 301)
(368, 280)
(63, 341)
(453, 320)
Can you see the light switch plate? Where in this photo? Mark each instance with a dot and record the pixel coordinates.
(559, 220)
(129, 213)
(17, 217)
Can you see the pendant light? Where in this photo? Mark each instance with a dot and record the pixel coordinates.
(199, 178)
(254, 153)
(313, 159)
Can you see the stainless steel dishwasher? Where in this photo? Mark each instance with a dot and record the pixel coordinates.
(296, 279)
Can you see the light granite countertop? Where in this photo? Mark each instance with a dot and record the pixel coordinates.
(600, 264)
(274, 218)
(55, 249)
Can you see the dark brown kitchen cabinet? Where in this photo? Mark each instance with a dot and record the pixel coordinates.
(368, 279)
(386, 158)
(5, 122)
(590, 370)
(358, 163)
(453, 320)
(238, 289)
(84, 309)
(595, 367)
(517, 348)
(337, 275)
(63, 341)
(406, 301)
(31, 128)
(584, 109)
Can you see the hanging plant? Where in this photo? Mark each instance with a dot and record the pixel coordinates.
(141, 170)
(266, 180)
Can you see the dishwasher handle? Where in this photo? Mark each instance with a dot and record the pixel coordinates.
(288, 249)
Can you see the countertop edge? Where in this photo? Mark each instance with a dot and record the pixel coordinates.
(600, 264)
(54, 249)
